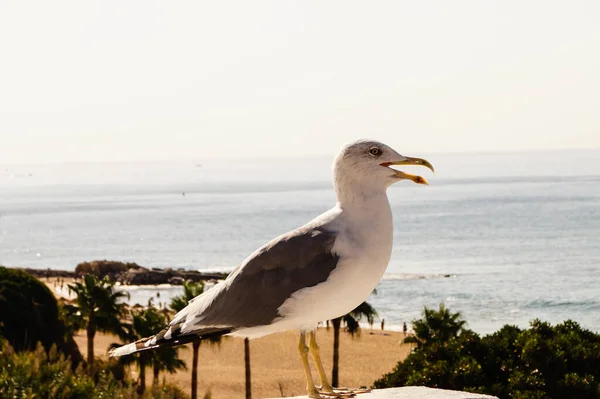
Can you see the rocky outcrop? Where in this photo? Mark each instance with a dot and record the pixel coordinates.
(103, 268)
(134, 274)
(129, 273)
(144, 276)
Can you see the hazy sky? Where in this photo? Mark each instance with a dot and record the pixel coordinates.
(189, 80)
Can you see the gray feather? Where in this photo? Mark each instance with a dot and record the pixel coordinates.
(252, 294)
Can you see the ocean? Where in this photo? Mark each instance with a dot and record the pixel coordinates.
(504, 238)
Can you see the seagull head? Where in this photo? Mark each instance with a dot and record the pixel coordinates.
(369, 163)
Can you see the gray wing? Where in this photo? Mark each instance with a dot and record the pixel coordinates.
(253, 293)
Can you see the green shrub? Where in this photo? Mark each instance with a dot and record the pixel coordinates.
(44, 374)
(48, 374)
(544, 361)
(29, 314)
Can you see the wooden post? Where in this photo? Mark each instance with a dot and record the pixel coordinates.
(247, 362)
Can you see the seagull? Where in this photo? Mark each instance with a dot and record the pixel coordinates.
(319, 271)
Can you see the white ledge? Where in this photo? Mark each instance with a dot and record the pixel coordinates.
(415, 393)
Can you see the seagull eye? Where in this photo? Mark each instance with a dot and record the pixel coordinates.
(375, 151)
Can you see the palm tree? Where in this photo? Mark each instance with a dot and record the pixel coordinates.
(166, 360)
(190, 291)
(71, 316)
(436, 326)
(351, 319)
(145, 322)
(99, 308)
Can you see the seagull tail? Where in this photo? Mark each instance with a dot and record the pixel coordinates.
(167, 338)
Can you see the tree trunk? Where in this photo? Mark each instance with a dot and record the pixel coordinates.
(142, 386)
(247, 363)
(91, 332)
(155, 372)
(195, 348)
(336, 351)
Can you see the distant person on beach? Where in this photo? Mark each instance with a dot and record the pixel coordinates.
(404, 329)
(382, 324)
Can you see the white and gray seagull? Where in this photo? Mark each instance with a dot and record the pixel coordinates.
(317, 272)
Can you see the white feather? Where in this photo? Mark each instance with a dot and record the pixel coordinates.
(123, 350)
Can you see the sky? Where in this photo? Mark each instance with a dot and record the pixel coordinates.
(146, 80)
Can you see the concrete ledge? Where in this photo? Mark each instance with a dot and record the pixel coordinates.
(415, 393)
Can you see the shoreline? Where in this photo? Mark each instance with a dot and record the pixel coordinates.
(161, 276)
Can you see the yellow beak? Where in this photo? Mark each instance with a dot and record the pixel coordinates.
(410, 161)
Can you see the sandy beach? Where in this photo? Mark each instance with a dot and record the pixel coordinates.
(58, 285)
(275, 364)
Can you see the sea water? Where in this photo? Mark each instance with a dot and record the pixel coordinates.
(504, 238)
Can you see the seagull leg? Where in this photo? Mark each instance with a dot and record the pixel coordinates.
(326, 387)
(313, 392)
(310, 386)
(314, 350)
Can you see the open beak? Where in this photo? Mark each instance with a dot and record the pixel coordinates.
(410, 161)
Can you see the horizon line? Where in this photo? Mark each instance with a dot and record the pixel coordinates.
(297, 157)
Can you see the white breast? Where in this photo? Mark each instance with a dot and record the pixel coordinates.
(364, 244)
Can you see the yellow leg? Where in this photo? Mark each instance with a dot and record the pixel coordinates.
(310, 386)
(326, 388)
(314, 350)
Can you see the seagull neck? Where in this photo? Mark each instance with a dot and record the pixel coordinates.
(364, 199)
